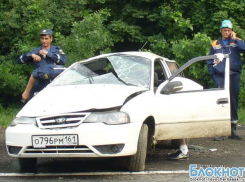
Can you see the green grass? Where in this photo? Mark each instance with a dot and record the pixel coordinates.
(7, 115)
(241, 114)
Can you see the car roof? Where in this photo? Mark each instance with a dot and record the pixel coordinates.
(148, 55)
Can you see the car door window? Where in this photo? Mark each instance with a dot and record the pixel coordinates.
(191, 81)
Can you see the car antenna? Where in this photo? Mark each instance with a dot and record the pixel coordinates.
(143, 46)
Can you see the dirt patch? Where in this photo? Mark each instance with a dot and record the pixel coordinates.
(222, 148)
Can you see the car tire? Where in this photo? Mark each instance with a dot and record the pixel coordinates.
(27, 163)
(137, 161)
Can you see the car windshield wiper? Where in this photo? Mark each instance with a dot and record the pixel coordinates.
(125, 82)
(90, 77)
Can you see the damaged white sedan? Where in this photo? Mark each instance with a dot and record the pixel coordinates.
(117, 105)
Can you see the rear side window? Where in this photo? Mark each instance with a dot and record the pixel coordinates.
(173, 66)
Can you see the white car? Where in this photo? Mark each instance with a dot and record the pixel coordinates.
(117, 105)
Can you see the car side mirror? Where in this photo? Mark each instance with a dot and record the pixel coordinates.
(172, 87)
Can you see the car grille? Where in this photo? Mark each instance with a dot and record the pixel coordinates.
(59, 149)
(62, 120)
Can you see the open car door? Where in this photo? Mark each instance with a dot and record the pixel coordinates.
(188, 110)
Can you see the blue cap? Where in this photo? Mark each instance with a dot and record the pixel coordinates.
(226, 24)
(46, 32)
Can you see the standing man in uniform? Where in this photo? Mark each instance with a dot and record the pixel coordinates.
(46, 54)
(228, 43)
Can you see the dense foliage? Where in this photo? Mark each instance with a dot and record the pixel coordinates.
(175, 29)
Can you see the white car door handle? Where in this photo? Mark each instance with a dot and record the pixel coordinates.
(222, 101)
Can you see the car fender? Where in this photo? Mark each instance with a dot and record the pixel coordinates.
(140, 107)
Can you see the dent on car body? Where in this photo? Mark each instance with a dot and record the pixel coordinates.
(77, 98)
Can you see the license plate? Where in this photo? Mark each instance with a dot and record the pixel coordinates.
(54, 140)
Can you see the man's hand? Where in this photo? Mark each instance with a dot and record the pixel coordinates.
(233, 35)
(43, 53)
(216, 61)
(36, 58)
(25, 96)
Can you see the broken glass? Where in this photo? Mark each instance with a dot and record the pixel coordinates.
(128, 70)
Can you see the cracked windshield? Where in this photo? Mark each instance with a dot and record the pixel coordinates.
(115, 69)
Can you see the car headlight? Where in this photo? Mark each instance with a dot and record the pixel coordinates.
(23, 120)
(108, 118)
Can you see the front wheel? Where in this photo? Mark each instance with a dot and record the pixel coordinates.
(137, 161)
(27, 163)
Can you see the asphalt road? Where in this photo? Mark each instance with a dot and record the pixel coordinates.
(230, 153)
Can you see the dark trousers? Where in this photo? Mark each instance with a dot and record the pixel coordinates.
(234, 92)
(37, 87)
(33, 91)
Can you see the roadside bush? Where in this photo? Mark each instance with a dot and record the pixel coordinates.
(12, 82)
(186, 49)
(242, 90)
(179, 30)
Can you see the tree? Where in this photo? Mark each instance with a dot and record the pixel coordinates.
(175, 29)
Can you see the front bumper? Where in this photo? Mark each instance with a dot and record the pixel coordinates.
(95, 140)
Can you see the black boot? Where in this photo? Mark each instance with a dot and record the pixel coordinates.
(234, 135)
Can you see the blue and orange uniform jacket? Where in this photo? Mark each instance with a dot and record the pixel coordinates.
(233, 48)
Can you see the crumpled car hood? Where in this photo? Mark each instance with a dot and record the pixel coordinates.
(73, 98)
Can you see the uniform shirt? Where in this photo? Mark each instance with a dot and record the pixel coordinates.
(225, 41)
(55, 56)
(234, 48)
